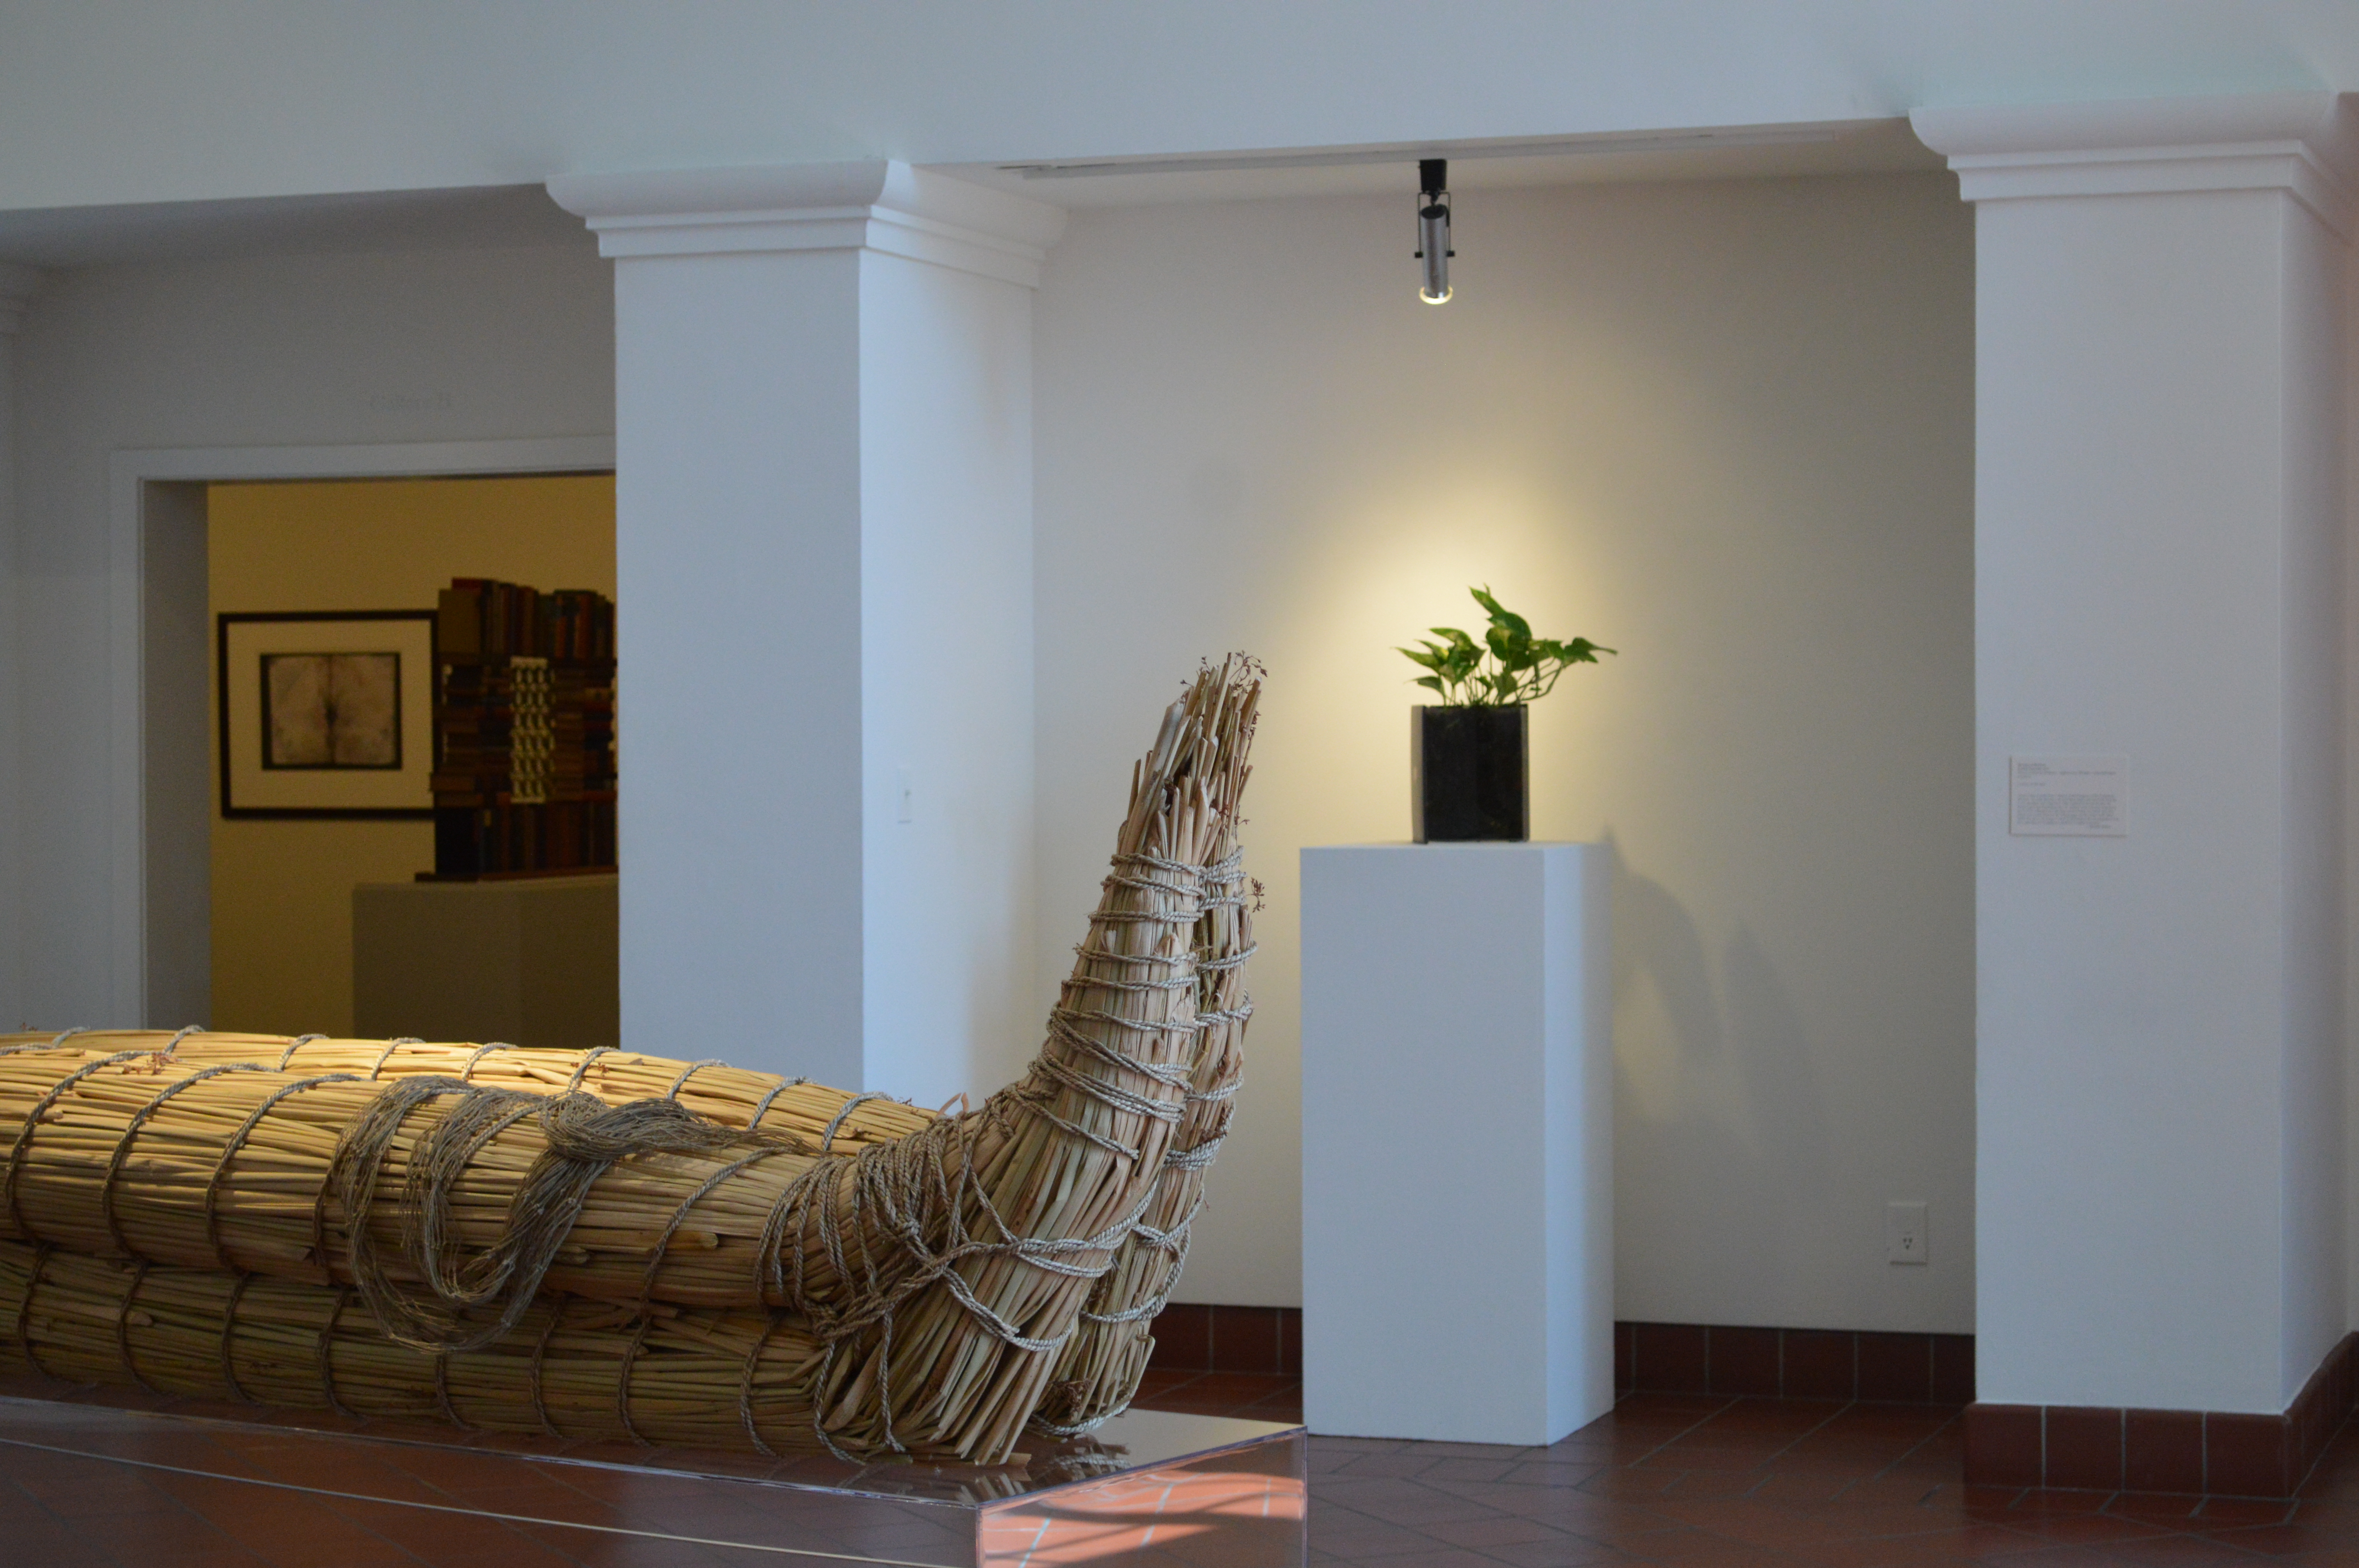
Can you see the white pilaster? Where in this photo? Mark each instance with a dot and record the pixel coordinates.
(17, 285)
(823, 484)
(2158, 522)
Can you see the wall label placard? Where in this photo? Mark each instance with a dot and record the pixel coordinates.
(2080, 797)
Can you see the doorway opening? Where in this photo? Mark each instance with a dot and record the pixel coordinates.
(280, 905)
(167, 793)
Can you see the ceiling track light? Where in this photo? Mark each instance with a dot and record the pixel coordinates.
(1433, 229)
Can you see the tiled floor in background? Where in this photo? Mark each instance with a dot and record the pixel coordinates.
(1682, 1480)
(1702, 1482)
(1247, 1394)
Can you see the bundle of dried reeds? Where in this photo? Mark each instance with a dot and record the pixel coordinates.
(249, 1170)
(1098, 1373)
(734, 1096)
(570, 1369)
(934, 1277)
(1079, 1145)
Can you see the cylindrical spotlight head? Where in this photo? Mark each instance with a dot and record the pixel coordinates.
(1433, 249)
(1433, 229)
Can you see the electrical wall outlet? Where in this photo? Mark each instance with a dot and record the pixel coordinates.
(1905, 1237)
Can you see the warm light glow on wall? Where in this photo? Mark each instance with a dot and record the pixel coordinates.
(1412, 555)
(1725, 428)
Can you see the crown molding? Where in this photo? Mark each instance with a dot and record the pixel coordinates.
(876, 204)
(2305, 144)
(17, 286)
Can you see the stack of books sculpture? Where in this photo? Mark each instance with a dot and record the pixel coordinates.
(524, 730)
(604, 1244)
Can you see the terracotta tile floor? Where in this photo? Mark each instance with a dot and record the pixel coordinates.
(1714, 1483)
(1242, 1394)
(1689, 1482)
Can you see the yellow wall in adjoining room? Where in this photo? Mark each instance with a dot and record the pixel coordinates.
(282, 890)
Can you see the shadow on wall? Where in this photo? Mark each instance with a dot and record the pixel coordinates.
(1717, 1070)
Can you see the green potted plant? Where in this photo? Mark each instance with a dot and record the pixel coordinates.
(1470, 754)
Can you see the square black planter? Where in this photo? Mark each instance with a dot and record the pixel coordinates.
(1469, 774)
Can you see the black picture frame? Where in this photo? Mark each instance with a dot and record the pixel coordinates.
(298, 792)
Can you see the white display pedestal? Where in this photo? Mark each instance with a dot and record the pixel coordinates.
(1457, 1140)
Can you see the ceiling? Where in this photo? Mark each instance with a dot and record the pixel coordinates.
(1742, 152)
(522, 216)
(500, 217)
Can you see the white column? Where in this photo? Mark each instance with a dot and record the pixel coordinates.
(17, 286)
(824, 481)
(2159, 520)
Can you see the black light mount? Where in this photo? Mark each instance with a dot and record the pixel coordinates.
(1433, 229)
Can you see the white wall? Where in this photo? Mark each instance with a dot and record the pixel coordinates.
(265, 351)
(204, 100)
(2349, 733)
(824, 461)
(946, 677)
(2313, 848)
(1725, 428)
(16, 285)
(175, 784)
(12, 986)
(738, 681)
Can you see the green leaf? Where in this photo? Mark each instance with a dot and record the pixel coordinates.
(1513, 651)
(1501, 614)
(1508, 666)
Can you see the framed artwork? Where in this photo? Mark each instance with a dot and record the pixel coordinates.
(327, 715)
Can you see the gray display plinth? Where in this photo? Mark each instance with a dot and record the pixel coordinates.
(531, 961)
(1147, 1487)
